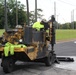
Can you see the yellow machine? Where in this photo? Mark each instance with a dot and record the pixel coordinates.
(28, 45)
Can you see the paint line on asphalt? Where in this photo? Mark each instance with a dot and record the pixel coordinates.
(74, 41)
(67, 65)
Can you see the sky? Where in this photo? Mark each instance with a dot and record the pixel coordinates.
(64, 9)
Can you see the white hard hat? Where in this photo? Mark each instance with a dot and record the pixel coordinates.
(18, 26)
(44, 20)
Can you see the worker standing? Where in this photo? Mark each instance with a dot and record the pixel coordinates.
(40, 25)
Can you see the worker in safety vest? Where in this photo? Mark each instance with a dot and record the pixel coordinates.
(9, 47)
(12, 42)
(19, 34)
(45, 26)
(40, 25)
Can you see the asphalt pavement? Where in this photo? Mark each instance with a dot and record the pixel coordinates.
(66, 48)
(61, 49)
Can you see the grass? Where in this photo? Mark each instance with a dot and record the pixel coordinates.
(65, 34)
(60, 34)
(1, 31)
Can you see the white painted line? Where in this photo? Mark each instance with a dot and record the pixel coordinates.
(67, 65)
(74, 41)
(65, 41)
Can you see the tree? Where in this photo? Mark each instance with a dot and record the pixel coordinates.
(11, 13)
(1, 16)
(32, 15)
(11, 10)
(39, 16)
(74, 25)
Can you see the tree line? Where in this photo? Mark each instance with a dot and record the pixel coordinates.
(11, 14)
(22, 16)
(68, 25)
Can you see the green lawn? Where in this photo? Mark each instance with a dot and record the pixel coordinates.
(60, 34)
(1, 31)
(65, 34)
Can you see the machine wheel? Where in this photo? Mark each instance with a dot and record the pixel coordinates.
(49, 59)
(8, 65)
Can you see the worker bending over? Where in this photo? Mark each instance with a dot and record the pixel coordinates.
(43, 24)
(13, 41)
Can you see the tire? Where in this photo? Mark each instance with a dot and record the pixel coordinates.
(49, 59)
(8, 65)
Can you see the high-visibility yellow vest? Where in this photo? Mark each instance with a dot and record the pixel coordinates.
(38, 26)
(9, 48)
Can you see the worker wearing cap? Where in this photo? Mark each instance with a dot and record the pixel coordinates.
(38, 25)
(13, 41)
(41, 25)
(9, 46)
(19, 34)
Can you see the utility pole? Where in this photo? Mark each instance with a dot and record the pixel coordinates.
(55, 9)
(57, 22)
(35, 10)
(72, 19)
(55, 15)
(16, 13)
(27, 12)
(5, 26)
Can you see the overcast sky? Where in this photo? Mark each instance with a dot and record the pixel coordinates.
(63, 8)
